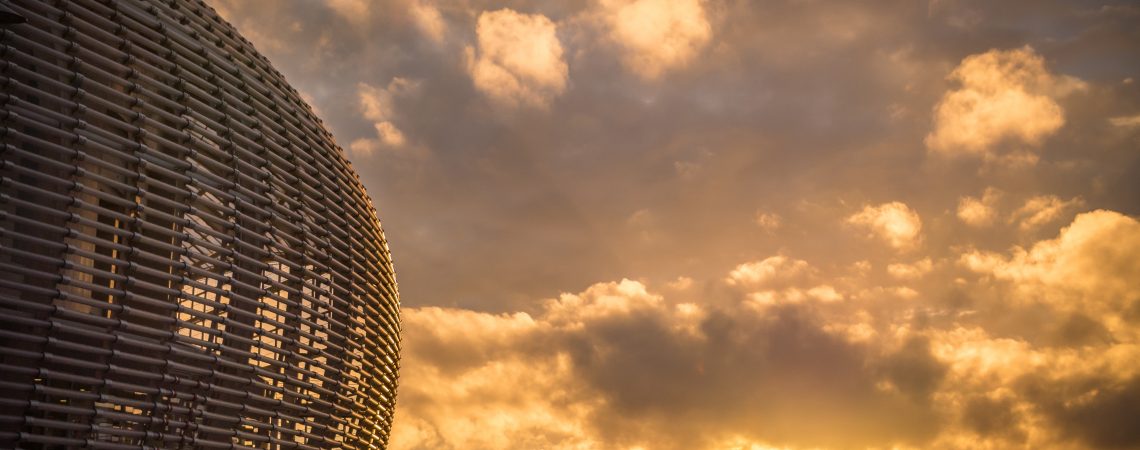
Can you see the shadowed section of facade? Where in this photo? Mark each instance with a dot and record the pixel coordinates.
(187, 259)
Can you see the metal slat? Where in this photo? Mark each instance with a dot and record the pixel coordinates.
(187, 259)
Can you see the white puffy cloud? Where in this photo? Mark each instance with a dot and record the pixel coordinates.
(656, 36)
(892, 222)
(979, 212)
(1005, 96)
(519, 59)
(1042, 209)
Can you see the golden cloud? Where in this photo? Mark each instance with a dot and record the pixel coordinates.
(1125, 121)
(1005, 96)
(910, 271)
(767, 221)
(656, 36)
(354, 11)
(1043, 209)
(1090, 268)
(428, 20)
(377, 105)
(769, 272)
(519, 60)
(892, 222)
(621, 366)
(979, 212)
(752, 329)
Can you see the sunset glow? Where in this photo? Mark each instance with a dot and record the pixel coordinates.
(738, 224)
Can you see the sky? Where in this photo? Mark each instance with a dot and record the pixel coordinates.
(744, 224)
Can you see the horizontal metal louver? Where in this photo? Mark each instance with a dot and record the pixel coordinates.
(187, 259)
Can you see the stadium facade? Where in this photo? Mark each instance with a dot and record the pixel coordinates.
(187, 259)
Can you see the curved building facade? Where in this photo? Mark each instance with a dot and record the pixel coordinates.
(187, 259)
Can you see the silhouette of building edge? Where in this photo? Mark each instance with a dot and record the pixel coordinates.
(187, 259)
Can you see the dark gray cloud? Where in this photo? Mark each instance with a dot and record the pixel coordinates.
(1108, 419)
(989, 417)
(1103, 417)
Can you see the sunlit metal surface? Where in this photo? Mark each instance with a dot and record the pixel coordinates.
(187, 260)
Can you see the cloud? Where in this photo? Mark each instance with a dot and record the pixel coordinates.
(1125, 121)
(1090, 268)
(1041, 210)
(377, 103)
(428, 20)
(600, 301)
(519, 59)
(835, 343)
(783, 116)
(910, 271)
(977, 212)
(1005, 96)
(780, 280)
(769, 272)
(643, 224)
(681, 283)
(475, 381)
(378, 106)
(1102, 417)
(656, 36)
(892, 222)
(767, 221)
(1053, 352)
(913, 369)
(1012, 394)
(618, 366)
(354, 11)
(390, 135)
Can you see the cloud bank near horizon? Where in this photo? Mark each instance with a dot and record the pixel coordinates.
(783, 354)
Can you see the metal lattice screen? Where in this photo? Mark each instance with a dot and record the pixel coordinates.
(187, 260)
